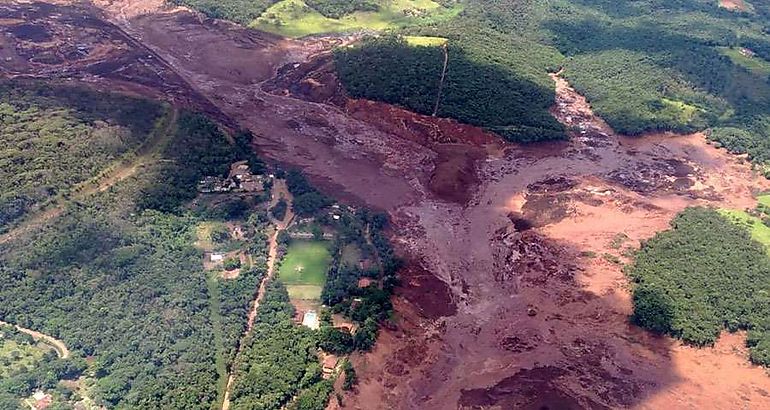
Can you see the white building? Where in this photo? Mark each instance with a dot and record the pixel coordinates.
(310, 319)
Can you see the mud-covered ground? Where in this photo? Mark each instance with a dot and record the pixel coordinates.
(513, 296)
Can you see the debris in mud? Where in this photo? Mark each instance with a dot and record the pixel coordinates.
(458, 147)
(68, 42)
(533, 389)
(548, 201)
(520, 223)
(527, 258)
(315, 80)
(518, 344)
(660, 175)
(430, 295)
(30, 32)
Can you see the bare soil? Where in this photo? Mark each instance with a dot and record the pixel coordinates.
(738, 5)
(502, 304)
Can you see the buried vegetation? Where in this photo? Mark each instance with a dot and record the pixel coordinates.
(702, 276)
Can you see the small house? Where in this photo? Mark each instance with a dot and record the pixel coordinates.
(217, 257)
(329, 365)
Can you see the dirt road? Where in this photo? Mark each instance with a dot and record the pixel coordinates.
(503, 303)
(279, 192)
(58, 345)
(441, 80)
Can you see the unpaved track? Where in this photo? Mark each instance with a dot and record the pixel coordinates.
(279, 191)
(441, 80)
(536, 323)
(113, 174)
(58, 345)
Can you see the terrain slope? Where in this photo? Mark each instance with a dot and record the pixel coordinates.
(512, 296)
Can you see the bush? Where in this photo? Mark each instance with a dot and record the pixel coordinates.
(231, 263)
(279, 210)
(703, 275)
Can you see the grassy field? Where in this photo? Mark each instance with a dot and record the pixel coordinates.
(425, 41)
(754, 64)
(293, 18)
(304, 267)
(351, 255)
(759, 231)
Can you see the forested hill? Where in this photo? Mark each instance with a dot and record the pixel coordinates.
(646, 65)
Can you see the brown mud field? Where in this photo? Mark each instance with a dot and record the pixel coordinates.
(513, 296)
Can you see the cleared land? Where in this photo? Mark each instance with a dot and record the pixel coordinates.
(294, 18)
(756, 65)
(304, 267)
(759, 231)
(426, 41)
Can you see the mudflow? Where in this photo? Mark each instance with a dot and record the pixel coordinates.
(513, 296)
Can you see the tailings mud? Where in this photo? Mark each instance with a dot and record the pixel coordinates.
(521, 308)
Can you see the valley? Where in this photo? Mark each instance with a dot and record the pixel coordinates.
(513, 294)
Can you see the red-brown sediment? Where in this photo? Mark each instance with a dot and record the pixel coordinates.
(502, 304)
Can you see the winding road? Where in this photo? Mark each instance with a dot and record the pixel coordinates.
(58, 345)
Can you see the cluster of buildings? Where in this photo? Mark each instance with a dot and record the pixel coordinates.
(240, 179)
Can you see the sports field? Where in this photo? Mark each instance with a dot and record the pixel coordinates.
(304, 267)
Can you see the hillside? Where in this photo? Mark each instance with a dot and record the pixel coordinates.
(385, 204)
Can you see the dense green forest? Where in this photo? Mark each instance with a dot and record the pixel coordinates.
(56, 136)
(279, 358)
(480, 88)
(240, 11)
(644, 65)
(338, 8)
(117, 277)
(704, 275)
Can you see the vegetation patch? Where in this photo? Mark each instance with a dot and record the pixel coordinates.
(240, 11)
(703, 275)
(16, 357)
(475, 90)
(746, 58)
(760, 232)
(278, 360)
(55, 137)
(297, 18)
(118, 277)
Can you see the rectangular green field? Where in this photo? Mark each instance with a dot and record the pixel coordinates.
(305, 263)
(304, 292)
